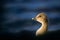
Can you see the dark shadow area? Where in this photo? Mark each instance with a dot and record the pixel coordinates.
(30, 35)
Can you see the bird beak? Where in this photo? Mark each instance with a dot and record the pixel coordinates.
(33, 18)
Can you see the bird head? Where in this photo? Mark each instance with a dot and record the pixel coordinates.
(41, 17)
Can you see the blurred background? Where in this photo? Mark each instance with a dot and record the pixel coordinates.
(16, 18)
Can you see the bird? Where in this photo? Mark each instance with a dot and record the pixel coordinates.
(42, 32)
(43, 19)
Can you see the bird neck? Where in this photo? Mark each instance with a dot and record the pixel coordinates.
(44, 25)
(42, 29)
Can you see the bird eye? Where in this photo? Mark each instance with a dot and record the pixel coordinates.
(39, 16)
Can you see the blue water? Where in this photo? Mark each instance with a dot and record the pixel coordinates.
(18, 15)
